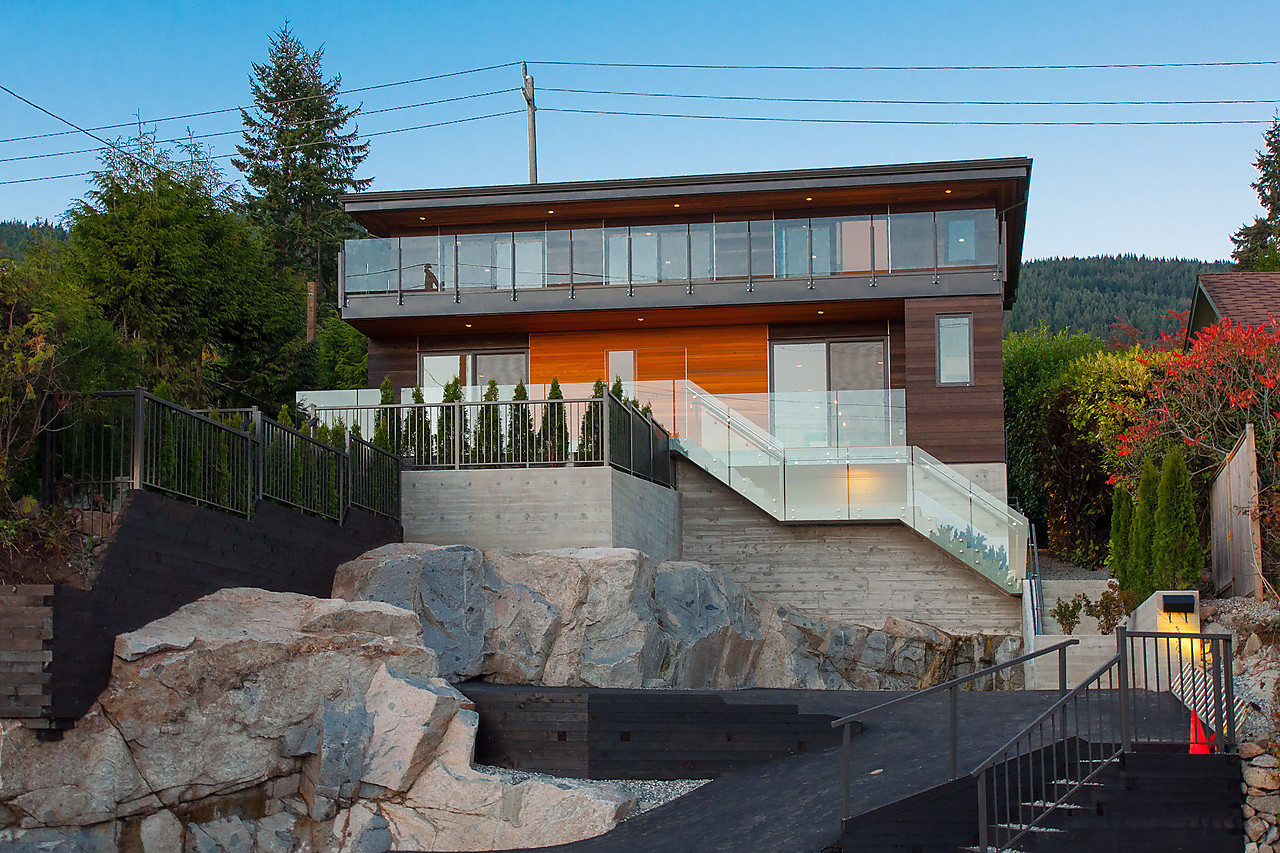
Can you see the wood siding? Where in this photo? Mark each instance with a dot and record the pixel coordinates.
(721, 359)
(396, 358)
(955, 424)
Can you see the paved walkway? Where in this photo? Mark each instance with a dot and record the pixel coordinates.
(793, 805)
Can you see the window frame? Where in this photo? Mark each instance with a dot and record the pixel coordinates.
(937, 348)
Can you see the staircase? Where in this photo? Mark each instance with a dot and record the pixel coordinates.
(840, 484)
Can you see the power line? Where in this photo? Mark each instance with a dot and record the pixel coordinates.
(281, 101)
(926, 122)
(286, 148)
(1065, 67)
(241, 130)
(705, 97)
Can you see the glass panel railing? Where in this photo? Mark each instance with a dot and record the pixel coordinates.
(673, 253)
(827, 419)
(371, 266)
(755, 471)
(816, 489)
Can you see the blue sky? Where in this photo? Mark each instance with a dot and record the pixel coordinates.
(1163, 191)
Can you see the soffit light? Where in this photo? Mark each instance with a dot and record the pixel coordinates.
(810, 198)
(822, 312)
(948, 192)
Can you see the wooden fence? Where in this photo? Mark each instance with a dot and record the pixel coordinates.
(1236, 535)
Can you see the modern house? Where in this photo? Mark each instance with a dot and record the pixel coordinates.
(823, 347)
(1247, 298)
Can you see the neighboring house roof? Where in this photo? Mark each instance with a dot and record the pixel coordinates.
(1251, 298)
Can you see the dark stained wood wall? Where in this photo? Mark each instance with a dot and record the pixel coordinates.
(165, 554)
(396, 358)
(955, 424)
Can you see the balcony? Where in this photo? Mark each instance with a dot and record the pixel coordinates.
(701, 263)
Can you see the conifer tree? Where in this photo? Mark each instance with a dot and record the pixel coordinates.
(590, 445)
(521, 439)
(1121, 530)
(1257, 245)
(554, 434)
(1176, 556)
(489, 427)
(298, 157)
(1138, 573)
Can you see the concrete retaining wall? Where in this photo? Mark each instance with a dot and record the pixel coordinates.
(860, 573)
(531, 509)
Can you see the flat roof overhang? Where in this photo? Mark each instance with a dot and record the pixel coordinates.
(1001, 183)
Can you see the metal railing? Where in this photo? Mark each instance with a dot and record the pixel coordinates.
(1157, 690)
(104, 444)
(513, 434)
(951, 688)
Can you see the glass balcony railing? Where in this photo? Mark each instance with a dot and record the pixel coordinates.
(637, 256)
(852, 483)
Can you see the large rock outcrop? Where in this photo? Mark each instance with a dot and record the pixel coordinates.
(258, 721)
(607, 617)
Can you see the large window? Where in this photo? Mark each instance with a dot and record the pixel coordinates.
(955, 349)
(473, 370)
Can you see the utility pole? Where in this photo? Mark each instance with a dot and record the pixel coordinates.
(527, 90)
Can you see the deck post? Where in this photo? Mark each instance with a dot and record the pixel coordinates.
(1122, 647)
(1062, 671)
(953, 731)
(982, 811)
(139, 427)
(845, 770)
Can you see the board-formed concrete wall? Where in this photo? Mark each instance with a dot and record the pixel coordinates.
(534, 509)
(859, 573)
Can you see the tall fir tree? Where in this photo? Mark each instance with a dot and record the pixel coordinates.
(298, 157)
(1141, 534)
(1257, 245)
(1176, 555)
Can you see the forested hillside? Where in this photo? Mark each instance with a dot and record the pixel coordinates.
(15, 235)
(1088, 294)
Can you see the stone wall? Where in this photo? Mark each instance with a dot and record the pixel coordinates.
(540, 508)
(856, 573)
(1262, 799)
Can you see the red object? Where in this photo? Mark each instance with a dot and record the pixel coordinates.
(1201, 744)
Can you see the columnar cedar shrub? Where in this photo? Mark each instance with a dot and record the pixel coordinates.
(522, 439)
(446, 448)
(385, 432)
(1176, 556)
(1201, 400)
(1121, 531)
(1138, 571)
(590, 446)
(489, 427)
(554, 435)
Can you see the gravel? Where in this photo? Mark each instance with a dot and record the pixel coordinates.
(649, 794)
(1054, 569)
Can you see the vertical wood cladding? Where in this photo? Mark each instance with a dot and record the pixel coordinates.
(721, 359)
(955, 424)
(394, 357)
(165, 554)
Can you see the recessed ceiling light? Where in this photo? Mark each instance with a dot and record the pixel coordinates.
(677, 205)
(822, 312)
(423, 218)
(639, 319)
(468, 325)
(550, 211)
(948, 192)
(810, 198)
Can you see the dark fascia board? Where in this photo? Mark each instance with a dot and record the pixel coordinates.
(1199, 298)
(912, 173)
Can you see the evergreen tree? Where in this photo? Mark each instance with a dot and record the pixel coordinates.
(591, 444)
(451, 425)
(1138, 574)
(1176, 556)
(554, 434)
(489, 428)
(522, 440)
(1121, 531)
(383, 428)
(1257, 245)
(418, 441)
(298, 157)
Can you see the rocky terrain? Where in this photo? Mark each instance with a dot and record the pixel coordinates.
(608, 617)
(257, 722)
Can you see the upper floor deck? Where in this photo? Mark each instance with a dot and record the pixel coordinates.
(747, 239)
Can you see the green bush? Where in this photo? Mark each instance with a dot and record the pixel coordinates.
(591, 445)
(522, 439)
(1121, 532)
(1067, 613)
(1138, 574)
(488, 444)
(554, 433)
(1176, 555)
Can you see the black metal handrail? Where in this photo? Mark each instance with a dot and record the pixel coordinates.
(1089, 727)
(106, 443)
(952, 687)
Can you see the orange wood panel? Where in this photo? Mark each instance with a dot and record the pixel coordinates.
(723, 359)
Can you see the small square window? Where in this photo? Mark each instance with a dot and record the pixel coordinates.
(955, 349)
